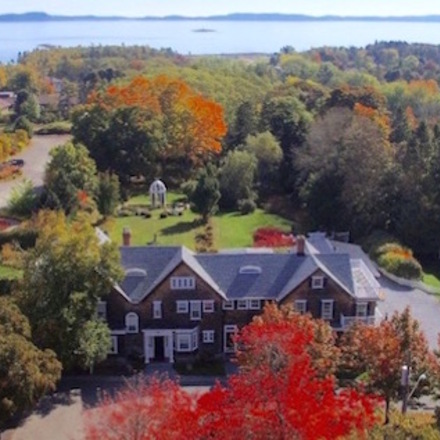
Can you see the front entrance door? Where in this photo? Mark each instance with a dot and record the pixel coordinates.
(159, 348)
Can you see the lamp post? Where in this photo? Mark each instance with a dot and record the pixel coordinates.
(404, 381)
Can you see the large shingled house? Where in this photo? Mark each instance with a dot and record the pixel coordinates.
(174, 304)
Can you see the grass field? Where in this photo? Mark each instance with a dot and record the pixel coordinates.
(230, 229)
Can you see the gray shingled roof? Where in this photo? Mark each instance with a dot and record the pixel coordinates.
(280, 274)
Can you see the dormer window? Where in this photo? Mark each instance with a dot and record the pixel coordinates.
(317, 282)
(132, 322)
(250, 270)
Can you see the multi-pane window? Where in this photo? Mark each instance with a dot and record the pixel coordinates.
(327, 309)
(114, 347)
(208, 306)
(183, 342)
(229, 333)
(361, 309)
(132, 322)
(228, 305)
(242, 304)
(182, 306)
(208, 336)
(195, 310)
(157, 309)
(301, 306)
(183, 283)
(101, 310)
(254, 304)
(317, 282)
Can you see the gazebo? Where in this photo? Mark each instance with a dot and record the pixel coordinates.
(158, 194)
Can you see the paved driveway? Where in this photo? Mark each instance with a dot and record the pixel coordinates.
(424, 307)
(35, 158)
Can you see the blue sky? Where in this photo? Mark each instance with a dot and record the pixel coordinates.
(210, 7)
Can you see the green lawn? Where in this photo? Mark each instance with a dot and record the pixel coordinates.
(230, 229)
(431, 274)
(9, 273)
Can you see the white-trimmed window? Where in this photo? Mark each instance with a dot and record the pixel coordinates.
(157, 309)
(183, 283)
(183, 342)
(101, 310)
(114, 345)
(327, 309)
(301, 306)
(208, 306)
(132, 322)
(187, 340)
(182, 306)
(361, 309)
(228, 305)
(195, 310)
(318, 282)
(208, 336)
(229, 331)
(242, 304)
(254, 304)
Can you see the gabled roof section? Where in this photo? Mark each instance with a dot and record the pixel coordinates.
(276, 271)
(338, 268)
(158, 262)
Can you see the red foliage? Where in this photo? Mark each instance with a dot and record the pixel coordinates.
(280, 397)
(272, 237)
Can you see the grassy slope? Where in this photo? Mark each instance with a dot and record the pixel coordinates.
(230, 229)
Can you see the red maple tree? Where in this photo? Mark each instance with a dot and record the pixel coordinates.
(280, 396)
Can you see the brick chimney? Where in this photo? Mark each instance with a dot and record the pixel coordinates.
(126, 237)
(300, 245)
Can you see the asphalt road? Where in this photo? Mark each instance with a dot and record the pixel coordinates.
(424, 307)
(35, 158)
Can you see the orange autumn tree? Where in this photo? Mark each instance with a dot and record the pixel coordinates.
(193, 125)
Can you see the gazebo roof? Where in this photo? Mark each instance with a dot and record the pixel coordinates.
(158, 187)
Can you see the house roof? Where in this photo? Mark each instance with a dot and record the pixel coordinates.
(242, 275)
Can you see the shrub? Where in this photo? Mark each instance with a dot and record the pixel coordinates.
(246, 206)
(22, 123)
(163, 214)
(23, 200)
(399, 261)
(58, 127)
(272, 237)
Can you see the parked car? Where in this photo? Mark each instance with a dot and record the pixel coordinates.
(16, 162)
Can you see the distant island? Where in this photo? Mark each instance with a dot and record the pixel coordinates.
(204, 30)
(42, 16)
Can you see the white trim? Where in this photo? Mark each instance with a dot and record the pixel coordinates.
(250, 270)
(149, 348)
(132, 322)
(208, 336)
(228, 329)
(118, 332)
(183, 283)
(157, 309)
(101, 310)
(242, 304)
(114, 348)
(208, 306)
(329, 313)
(192, 336)
(228, 305)
(195, 310)
(317, 282)
(362, 307)
(184, 309)
(300, 306)
(255, 306)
